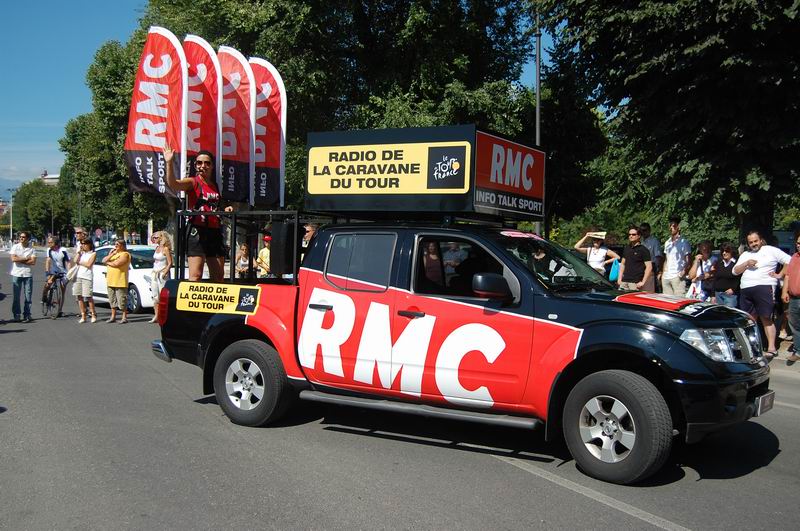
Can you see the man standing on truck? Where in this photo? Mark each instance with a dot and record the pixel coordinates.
(636, 267)
(757, 294)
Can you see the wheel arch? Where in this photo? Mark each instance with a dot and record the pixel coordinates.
(607, 358)
(223, 337)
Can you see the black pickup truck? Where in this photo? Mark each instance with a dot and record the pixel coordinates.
(484, 324)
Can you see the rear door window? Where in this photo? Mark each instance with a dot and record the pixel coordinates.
(361, 261)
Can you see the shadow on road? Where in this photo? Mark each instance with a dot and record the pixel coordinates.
(731, 453)
(2, 409)
(463, 436)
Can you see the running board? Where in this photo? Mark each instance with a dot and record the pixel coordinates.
(422, 410)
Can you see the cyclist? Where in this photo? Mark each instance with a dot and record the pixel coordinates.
(56, 267)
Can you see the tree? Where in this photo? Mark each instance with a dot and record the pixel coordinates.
(342, 61)
(573, 135)
(706, 90)
(39, 207)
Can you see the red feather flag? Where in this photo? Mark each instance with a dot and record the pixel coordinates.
(270, 134)
(158, 113)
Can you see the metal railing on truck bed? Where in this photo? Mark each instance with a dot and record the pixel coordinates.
(249, 227)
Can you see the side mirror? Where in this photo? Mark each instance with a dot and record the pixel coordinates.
(491, 286)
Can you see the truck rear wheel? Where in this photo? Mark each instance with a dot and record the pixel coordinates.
(617, 426)
(250, 383)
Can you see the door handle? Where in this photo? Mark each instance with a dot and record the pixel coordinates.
(323, 307)
(410, 313)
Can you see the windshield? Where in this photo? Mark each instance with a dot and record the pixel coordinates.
(142, 258)
(554, 266)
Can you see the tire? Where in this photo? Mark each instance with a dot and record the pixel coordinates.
(50, 304)
(55, 301)
(262, 366)
(617, 426)
(134, 299)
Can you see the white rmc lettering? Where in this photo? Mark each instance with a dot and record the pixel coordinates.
(262, 95)
(331, 339)
(498, 157)
(512, 168)
(155, 104)
(459, 343)
(148, 133)
(527, 182)
(505, 168)
(405, 355)
(159, 71)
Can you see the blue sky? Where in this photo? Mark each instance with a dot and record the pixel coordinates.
(48, 46)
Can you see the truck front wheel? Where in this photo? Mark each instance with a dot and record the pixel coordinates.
(617, 426)
(250, 383)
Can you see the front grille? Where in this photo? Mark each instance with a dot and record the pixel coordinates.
(745, 343)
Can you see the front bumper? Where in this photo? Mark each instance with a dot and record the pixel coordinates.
(711, 406)
(161, 351)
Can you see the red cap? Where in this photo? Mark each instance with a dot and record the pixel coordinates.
(267, 238)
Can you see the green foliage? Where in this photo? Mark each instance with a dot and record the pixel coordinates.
(345, 64)
(706, 91)
(38, 206)
(572, 134)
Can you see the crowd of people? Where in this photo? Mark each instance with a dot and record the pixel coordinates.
(761, 279)
(62, 267)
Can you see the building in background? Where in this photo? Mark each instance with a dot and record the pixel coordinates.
(50, 180)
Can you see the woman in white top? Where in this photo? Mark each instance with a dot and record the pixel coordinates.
(162, 262)
(702, 273)
(597, 255)
(242, 261)
(82, 286)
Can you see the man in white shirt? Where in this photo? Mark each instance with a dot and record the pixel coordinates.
(22, 258)
(757, 293)
(676, 260)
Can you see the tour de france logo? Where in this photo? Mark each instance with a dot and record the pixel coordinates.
(446, 167)
(247, 300)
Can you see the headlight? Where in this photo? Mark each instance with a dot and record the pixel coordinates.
(147, 278)
(710, 341)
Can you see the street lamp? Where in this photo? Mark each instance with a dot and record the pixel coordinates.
(11, 216)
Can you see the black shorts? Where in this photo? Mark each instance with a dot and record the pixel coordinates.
(758, 300)
(204, 241)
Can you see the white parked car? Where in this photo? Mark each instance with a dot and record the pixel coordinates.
(141, 271)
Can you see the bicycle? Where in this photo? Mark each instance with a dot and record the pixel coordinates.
(51, 300)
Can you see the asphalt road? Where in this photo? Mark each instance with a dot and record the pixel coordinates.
(96, 433)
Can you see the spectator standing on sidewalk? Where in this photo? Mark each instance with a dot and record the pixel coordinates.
(55, 266)
(597, 254)
(82, 286)
(636, 267)
(757, 295)
(702, 273)
(118, 261)
(80, 234)
(23, 257)
(676, 260)
(726, 284)
(791, 297)
(656, 256)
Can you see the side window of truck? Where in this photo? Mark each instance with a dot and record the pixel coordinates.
(445, 266)
(361, 262)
